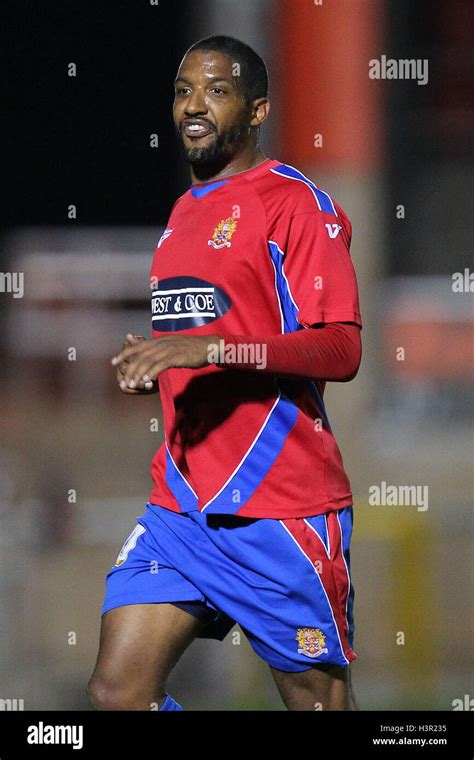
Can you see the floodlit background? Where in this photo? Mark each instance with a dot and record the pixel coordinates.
(394, 154)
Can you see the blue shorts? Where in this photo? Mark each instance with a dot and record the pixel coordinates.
(285, 582)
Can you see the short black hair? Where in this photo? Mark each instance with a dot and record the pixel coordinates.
(253, 72)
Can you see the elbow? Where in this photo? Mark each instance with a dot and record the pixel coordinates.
(351, 374)
(354, 358)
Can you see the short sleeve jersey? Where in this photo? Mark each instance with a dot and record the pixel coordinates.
(258, 253)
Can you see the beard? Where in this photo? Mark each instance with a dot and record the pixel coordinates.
(211, 158)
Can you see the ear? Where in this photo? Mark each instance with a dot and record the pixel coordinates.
(260, 111)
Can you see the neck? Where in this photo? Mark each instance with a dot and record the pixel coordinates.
(246, 159)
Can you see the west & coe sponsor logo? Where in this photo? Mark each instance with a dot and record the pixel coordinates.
(178, 303)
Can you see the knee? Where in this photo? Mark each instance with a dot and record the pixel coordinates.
(103, 696)
(109, 696)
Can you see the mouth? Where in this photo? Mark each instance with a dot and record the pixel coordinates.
(196, 128)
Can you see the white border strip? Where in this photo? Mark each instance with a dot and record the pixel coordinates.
(180, 473)
(307, 182)
(245, 455)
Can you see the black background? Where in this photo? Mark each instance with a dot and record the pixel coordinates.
(85, 140)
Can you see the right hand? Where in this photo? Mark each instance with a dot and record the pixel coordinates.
(142, 388)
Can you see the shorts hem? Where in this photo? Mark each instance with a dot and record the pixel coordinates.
(125, 600)
(296, 667)
(291, 667)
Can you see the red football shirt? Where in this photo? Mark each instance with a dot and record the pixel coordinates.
(261, 252)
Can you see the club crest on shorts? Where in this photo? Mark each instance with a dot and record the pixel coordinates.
(129, 544)
(223, 233)
(311, 642)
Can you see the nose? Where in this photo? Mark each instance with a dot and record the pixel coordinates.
(195, 104)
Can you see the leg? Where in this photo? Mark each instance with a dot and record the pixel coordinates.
(139, 646)
(323, 687)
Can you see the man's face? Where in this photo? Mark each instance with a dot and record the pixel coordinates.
(210, 115)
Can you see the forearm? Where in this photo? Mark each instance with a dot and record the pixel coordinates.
(330, 352)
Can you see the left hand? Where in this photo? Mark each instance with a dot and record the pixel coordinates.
(144, 361)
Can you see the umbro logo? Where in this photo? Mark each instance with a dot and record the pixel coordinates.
(333, 230)
(164, 236)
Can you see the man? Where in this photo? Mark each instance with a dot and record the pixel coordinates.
(254, 308)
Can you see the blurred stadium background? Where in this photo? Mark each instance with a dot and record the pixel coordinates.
(395, 154)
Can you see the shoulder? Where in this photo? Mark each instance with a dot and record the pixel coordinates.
(181, 201)
(285, 189)
(286, 192)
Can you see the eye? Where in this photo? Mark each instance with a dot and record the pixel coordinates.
(218, 90)
(182, 90)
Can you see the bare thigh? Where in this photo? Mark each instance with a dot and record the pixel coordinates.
(324, 687)
(139, 646)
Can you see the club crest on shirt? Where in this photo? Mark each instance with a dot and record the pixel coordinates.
(311, 642)
(223, 233)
